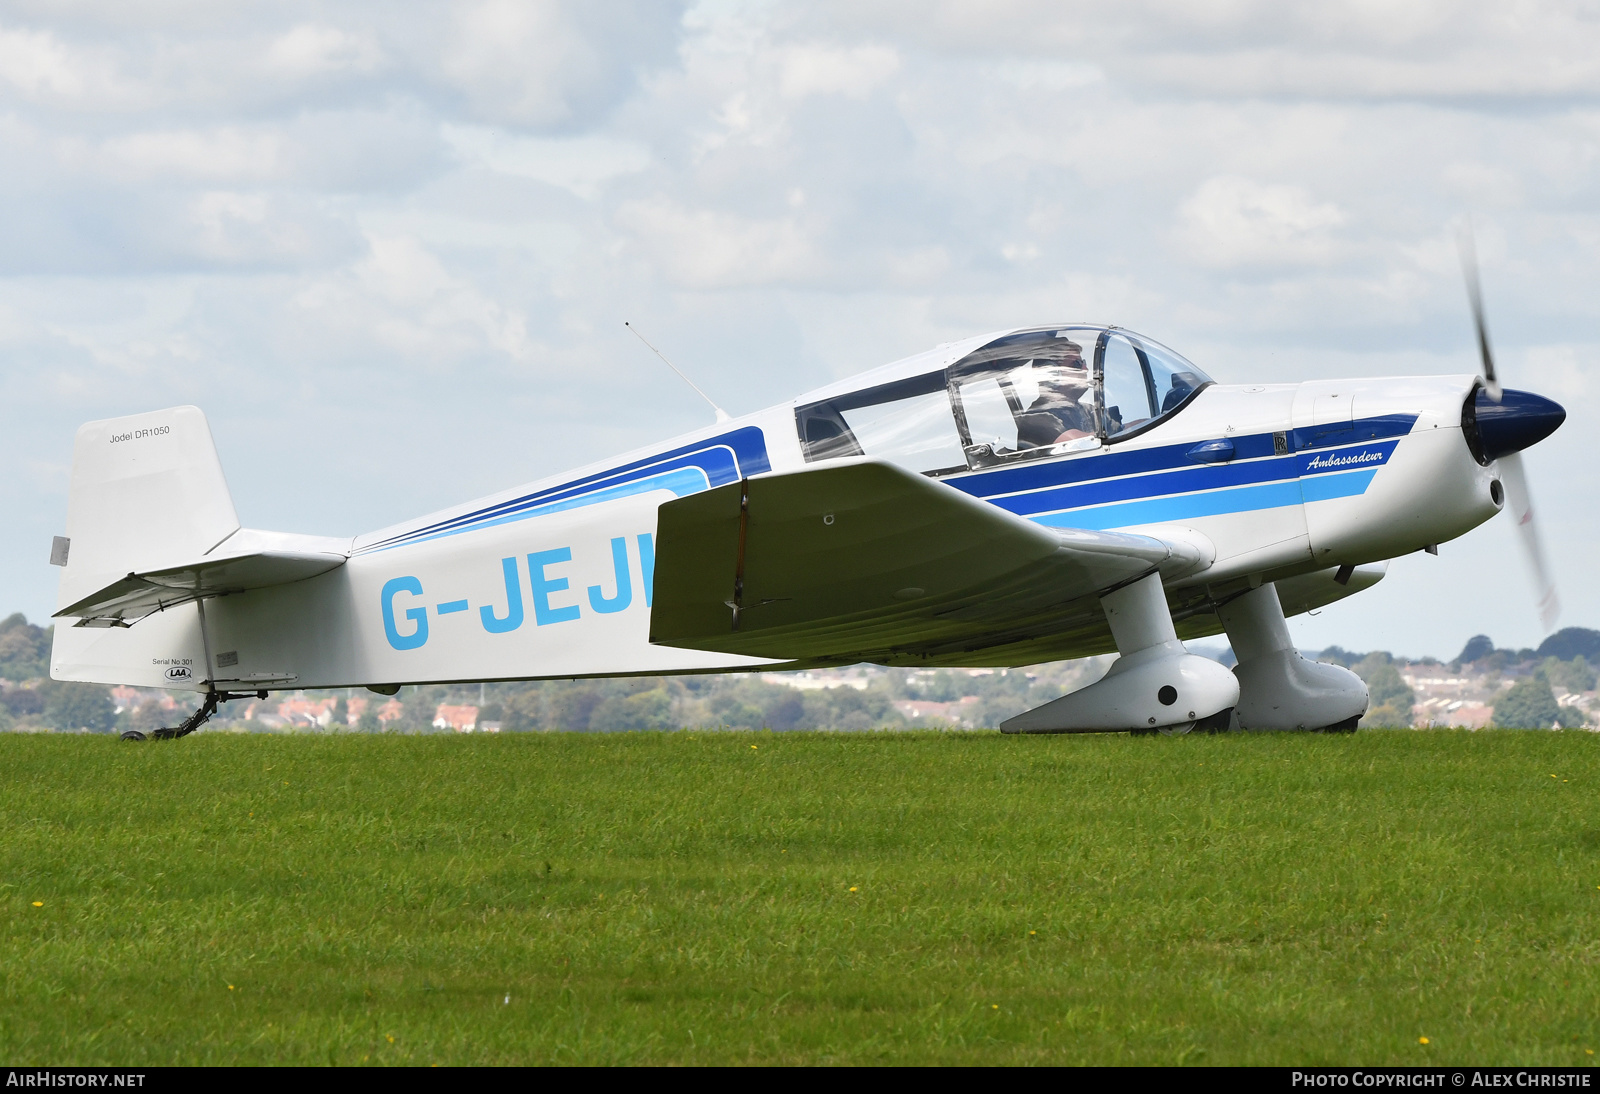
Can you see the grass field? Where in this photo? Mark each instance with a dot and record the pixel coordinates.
(801, 897)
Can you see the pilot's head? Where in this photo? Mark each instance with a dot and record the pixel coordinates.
(1068, 373)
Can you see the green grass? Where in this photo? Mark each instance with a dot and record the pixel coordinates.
(803, 897)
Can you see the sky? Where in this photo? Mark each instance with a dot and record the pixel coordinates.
(389, 249)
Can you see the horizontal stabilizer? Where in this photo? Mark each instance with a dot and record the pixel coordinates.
(859, 558)
(150, 524)
(138, 594)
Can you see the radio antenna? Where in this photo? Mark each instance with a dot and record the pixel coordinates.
(722, 415)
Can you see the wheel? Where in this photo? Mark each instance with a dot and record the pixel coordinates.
(1346, 726)
(132, 735)
(1166, 731)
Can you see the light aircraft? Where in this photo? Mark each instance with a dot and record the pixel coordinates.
(1023, 496)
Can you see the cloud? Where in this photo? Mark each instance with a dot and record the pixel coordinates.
(579, 164)
(707, 249)
(1422, 49)
(223, 153)
(1231, 221)
(550, 64)
(407, 301)
(312, 49)
(46, 69)
(825, 70)
(232, 228)
(1051, 75)
(1565, 372)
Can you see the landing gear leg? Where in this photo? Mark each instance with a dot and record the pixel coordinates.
(199, 718)
(1279, 689)
(1155, 685)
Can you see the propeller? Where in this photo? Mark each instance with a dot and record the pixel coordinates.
(1469, 270)
(1513, 476)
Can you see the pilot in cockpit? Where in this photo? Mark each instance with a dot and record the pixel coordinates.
(1058, 414)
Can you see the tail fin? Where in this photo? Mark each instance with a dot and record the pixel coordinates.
(150, 529)
(147, 491)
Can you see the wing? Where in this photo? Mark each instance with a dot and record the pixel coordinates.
(860, 560)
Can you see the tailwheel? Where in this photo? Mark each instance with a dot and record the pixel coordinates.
(199, 718)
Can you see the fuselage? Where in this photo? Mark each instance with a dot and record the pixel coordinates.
(1273, 482)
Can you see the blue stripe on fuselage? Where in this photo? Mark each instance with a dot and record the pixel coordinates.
(1196, 477)
(721, 459)
(1345, 484)
(1027, 477)
(1334, 434)
(1212, 503)
(682, 481)
(1110, 489)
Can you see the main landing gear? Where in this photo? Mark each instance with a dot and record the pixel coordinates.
(1154, 686)
(1279, 689)
(199, 718)
(1157, 686)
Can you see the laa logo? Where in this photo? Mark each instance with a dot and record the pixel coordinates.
(179, 672)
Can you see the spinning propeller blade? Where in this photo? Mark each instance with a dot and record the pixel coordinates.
(1519, 501)
(1469, 270)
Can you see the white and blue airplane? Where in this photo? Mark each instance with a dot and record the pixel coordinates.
(1030, 495)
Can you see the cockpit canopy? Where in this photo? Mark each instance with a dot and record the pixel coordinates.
(1024, 396)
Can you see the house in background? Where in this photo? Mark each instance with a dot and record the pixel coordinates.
(460, 719)
(300, 711)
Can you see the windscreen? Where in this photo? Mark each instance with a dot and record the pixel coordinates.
(1058, 391)
(1029, 394)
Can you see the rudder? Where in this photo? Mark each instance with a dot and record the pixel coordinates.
(147, 490)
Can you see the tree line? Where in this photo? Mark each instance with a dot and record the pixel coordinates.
(29, 699)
